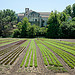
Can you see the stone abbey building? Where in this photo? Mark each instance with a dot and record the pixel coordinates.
(38, 18)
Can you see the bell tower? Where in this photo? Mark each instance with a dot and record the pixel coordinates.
(26, 12)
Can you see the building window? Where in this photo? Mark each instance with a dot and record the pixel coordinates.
(36, 20)
(33, 14)
(26, 14)
(33, 19)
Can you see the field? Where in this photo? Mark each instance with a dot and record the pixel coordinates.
(39, 56)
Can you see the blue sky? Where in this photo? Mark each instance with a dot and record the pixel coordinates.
(36, 5)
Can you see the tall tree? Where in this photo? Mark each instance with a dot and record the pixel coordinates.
(63, 16)
(7, 19)
(73, 8)
(25, 26)
(68, 10)
(54, 23)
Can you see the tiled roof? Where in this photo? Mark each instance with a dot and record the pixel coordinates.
(44, 13)
(45, 16)
(20, 14)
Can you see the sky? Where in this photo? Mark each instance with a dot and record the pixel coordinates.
(37, 5)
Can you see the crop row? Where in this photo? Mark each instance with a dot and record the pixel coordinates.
(25, 44)
(12, 59)
(58, 43)
(69, 59)
(48, 56)
(12, 56)
(61, 47)
(7, 55)
(63, 42)
(9, 42)
(6, 50)
(30, 56)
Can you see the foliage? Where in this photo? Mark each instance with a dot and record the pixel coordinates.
(68, 29)
(68, 10)
(31, 31)
(7, 20)
(16, 33)
(25, 25)
(60, 25)
(73, 8)
(54, 23)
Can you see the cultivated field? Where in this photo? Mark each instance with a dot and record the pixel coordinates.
(37, 56)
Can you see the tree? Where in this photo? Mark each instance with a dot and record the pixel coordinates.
(43, 31)
(19, 26)
(73, 19)
(63, 16)
(31, 32)
(68, 10)
(73, 8)
(16, 33)
(65, 30)
(68, 29)
(7, 19)
(54, 23)
(25, 25)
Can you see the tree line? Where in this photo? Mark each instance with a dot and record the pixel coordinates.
(62, 24)
(59, 25)
(25, 29)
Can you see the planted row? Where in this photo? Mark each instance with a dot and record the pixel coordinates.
(30, 55)
(47, 54)
(65, 56)
(63, 48)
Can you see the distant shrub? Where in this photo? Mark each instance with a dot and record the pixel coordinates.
(16, 33)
